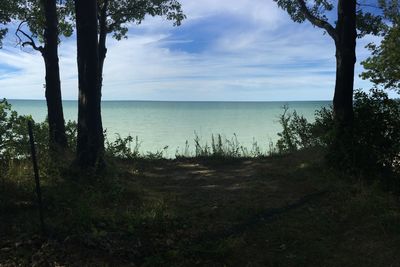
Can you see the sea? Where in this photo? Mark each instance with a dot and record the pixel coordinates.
(166, 126)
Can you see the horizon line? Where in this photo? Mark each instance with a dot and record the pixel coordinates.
(183, 101)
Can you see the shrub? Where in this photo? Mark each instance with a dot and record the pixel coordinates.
(14, 138)
(13, 132)
(71, 131)
(297, 132)
(122, 147)
(376, 134)
(377, 131)
(14, 143)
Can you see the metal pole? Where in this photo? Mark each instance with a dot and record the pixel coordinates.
(37, 179)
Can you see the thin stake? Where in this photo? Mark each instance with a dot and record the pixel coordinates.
(37, 179)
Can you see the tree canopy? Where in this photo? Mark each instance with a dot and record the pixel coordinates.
(8, 10)
(31, 14)
(120, 13)
(382, 67)
(317, 11)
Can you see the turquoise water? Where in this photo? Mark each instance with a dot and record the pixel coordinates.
(160, 124)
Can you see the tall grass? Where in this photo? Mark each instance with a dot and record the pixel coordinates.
(223, 147)
(218, 146)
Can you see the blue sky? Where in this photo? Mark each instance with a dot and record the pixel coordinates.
(237, 50)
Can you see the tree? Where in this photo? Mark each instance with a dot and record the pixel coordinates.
(90, 143)
(383, 67)
(113, 17)
(46, 21)
(344, 35)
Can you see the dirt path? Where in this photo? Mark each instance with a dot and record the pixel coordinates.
(221, 198)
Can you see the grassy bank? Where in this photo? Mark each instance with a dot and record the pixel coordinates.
(272, 211)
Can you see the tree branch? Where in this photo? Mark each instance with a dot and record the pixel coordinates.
(367, 5)
(317, 21)
(31, 42)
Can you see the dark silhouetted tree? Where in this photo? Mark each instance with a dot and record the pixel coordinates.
(46, 21)
(90, 143)
(112, 18)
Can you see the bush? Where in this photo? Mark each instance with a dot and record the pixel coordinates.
(297, 132)
(14, 139)
(13, 133)
(377, 131)
(71, 131)
(376, 134)
(14, 142)
(122, 147)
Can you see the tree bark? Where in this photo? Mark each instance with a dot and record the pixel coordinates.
(346, 34)
(102, 40)
(90, 143)
(53, 85)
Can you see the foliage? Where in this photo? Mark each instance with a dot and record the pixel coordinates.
(31, 13)
(122, 147)
(390, 10)
(13, 132)
(122, 12)
(7, 13)
(376, 133)
(382, 68)
(377, 128)
(296, 132)
(14, 139)
(119, 14)
(129, 148)
(71, 131)
(317, 11)
(318, 8)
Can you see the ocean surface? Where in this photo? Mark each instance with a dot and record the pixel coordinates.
(161, 124)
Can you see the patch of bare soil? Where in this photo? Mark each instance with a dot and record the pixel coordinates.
(221, 196)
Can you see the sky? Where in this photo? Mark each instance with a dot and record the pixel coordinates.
(226, 50)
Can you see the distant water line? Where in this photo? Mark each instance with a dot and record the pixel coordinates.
(160, 124)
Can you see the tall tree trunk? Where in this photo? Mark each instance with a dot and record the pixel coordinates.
(53, 85)
(102, 40)
(346, 34)
(90, 143)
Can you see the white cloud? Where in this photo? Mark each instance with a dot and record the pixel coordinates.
(264, 56)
